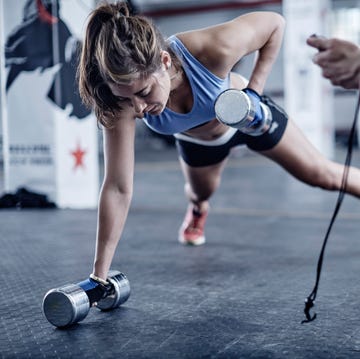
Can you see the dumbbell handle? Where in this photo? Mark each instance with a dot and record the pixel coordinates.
(109, 294)
(95, 290)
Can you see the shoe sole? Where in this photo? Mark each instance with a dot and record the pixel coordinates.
(197, 242)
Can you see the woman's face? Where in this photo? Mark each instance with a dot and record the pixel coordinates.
(145, 95)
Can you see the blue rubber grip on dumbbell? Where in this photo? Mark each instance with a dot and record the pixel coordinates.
(92, 289)
(255, 100)
(88, 284)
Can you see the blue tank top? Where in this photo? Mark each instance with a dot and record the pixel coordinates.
(205, 88)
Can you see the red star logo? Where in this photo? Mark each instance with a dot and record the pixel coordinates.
(78, 154)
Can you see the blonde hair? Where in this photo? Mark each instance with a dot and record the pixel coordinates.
(118, 48)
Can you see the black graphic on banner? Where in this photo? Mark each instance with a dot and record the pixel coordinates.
(30, 46)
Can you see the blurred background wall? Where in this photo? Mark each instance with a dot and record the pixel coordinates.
(173, 16)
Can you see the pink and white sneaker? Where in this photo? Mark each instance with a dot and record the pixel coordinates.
(192, 229)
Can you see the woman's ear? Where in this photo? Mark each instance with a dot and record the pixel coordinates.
(166, 60)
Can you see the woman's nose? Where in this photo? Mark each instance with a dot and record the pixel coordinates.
(139, 105)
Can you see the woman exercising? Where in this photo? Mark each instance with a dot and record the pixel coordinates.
(128, 71)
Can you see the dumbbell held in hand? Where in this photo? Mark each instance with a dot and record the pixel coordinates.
(243, 110)
(69, 304)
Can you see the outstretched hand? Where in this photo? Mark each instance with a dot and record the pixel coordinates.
(338, 59)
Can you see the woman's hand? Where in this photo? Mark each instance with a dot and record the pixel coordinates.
(338, 59)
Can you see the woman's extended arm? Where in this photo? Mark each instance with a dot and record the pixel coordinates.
(116, 192)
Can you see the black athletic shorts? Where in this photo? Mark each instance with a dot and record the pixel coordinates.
(198, 153)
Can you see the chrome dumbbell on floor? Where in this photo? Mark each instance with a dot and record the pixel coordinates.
(71, 303)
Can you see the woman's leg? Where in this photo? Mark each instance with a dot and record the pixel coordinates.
(200, 184)
(299, 157)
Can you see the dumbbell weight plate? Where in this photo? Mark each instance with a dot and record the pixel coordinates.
(234, 108)
(66, 305)
(121, 294)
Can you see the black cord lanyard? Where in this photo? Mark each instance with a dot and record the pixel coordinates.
(309, 301)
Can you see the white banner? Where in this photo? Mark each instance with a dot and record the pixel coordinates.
(308, 97)
(51, 138)
(2, 102)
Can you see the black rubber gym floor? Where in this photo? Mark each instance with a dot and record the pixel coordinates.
(239, 296)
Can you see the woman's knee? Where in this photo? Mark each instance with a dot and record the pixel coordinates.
(325, 176)
(202, 182)
(201, 191)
